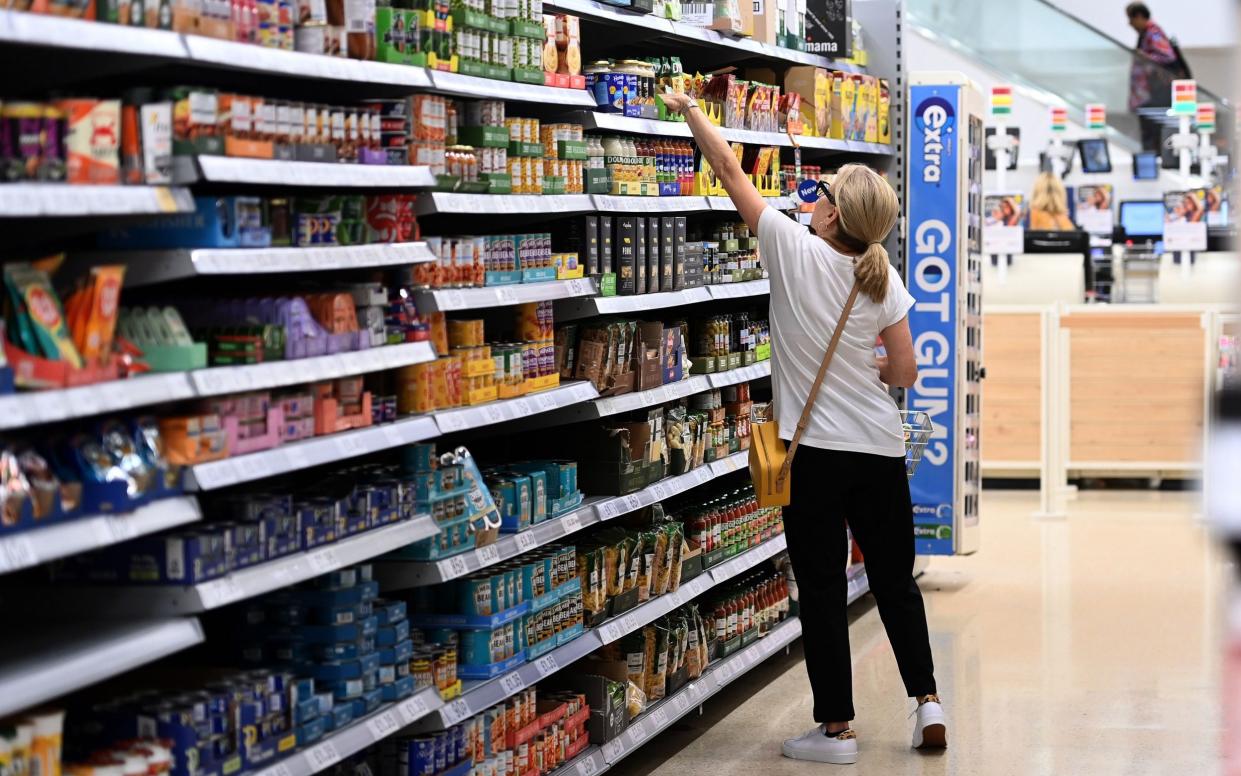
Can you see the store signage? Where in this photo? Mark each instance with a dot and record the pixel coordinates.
(1206, 117)
(1059, 119)
(808, 190)
(1096, 116)
(828, 27)
(1001, 101)
(1185, 220)
(1184, 97)
(1093, 211)
(1002, 216)
(934, 199)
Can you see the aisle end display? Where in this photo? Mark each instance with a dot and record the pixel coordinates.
(944, 275)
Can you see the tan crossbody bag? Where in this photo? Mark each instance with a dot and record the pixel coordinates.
(769, 461)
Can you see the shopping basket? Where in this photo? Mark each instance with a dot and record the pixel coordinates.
(918, 427)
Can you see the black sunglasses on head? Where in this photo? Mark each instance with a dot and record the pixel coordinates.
(824, 190)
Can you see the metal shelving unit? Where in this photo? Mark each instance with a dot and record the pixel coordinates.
(277, 172)
(501, 296)
(150, 267)
(59, 200)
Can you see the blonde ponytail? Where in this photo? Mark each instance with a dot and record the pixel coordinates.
(868, 209)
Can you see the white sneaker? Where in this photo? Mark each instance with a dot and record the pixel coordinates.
(931, 731)
(817, 746)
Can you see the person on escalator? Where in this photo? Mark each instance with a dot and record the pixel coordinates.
(851, 463)
(1156, 62)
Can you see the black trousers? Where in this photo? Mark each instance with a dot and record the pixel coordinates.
(871, 494)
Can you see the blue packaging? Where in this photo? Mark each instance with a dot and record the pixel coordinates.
(330, 634)
(401, 688)
(346, 689)
(342, 715)
(345, 650)
(247, 542)
(373, 699)
(390, 612)
(217, 222)
(312, 731)
(391, 634)
(304, 711)
(331, 615)
(421, 755)
(400, 652)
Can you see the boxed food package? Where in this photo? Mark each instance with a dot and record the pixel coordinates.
(813, 86)
(92, 140)
(766, 18)
(866, 108)
(885, 112)
(843, 96)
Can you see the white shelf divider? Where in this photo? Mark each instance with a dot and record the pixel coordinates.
(147, 267)
(613, 405)
(480, 695)
(503, 410)
(38, 29)
(28, 408)
(738, 290)
(473, 86)
(606, 203)
(118, 601)
(451, 202)
(500, 296)
(218, 380)
(51, 200)
(40, 545)
(403, 574)
(744, 374)
(262, 59)
(726, 204)
(618, 305)
(41, 665)
(275, 172)
(295, 456)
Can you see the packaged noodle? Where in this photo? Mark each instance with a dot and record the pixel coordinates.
(635, 699)
(650, 540)
(676, 543)
(693, 654)
(657, 677)
(633, 647)
(661, 563)
(633, 561)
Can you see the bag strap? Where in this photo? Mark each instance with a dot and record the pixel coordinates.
(818, 383)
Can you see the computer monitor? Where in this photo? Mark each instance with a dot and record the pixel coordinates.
(1095, 157)
(1044, 162)
(1142, 219)
(989, 161)
(1146, 166)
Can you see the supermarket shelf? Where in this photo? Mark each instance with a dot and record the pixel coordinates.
(152, 600)
(28, 200)
(738, 290)
(29, 408)
(46, 665)
(668, 487)
(400, 575)
(499, 296)
(687, 32)
(503, 410)
(606, 203)
(745, 374)
(40, 545)
(472, 86)
(484, 694)
(614, 405)
(632, 125)
(276, 172)
(355, 737)
(244, 56)
(597, 759)
(274, 374)
(445, 202)
(148, 267)
(614, 305)
(311, 452)
(44, 30)
(726, 204)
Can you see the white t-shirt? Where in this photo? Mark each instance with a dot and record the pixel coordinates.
(810, 283)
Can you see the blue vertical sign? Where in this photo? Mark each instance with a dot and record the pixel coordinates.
(932, 265)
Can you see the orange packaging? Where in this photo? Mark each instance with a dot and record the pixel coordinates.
(105, 302)
(414, 388)
(92, 140)
(439, 331)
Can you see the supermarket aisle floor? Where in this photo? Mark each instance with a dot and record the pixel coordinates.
(1086, 646)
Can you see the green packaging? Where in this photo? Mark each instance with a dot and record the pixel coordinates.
(39, 317)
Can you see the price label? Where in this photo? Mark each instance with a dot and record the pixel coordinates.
(350, 444)
(392, 436)
(512, 683)
(547, 402)
(587, 767)
(637, 732)
(525, 541)
(451, 421)
(659, 718)
(487, 555)
(494, 413)
(506, 295)
(256, 466)
(322, 756)
(121, 529)
(613, 749)
(660, 491)
(323, 561)
(456, 711)
(751, 657)
(17, 552)
(608, 509)
(633, 502)
(546, 665)
(702, 475)
(611, 633)
(450, 300)
(279, 769)
(412, 709)
(572, 522)
(383, 725)
(521, 408)
(681, 702)
(578, 287)
(457, 567)
(221, 592)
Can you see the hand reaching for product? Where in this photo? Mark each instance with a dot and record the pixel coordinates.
(677, 103)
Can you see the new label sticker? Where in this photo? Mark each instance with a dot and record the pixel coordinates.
(808, 191)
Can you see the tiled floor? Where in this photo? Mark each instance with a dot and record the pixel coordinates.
(1083, 646)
